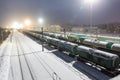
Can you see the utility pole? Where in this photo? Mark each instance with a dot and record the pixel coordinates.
(11, 35)
(42, 40)
(64, 32)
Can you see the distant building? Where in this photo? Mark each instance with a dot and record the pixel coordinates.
(84, 29)
(53, 28)
(78, 29)
(49, 28)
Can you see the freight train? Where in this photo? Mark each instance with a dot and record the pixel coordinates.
(104, 59)
(82, 39)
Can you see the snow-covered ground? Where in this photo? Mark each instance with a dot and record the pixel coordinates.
(23, 59)
(5, 51)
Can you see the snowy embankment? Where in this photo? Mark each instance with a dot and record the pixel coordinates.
(5, 50)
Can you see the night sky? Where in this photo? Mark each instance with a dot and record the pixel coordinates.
(59, 11)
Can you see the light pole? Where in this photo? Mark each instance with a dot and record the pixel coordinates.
(41, 22)
(91, 15)
(91, 3)
(2, 36)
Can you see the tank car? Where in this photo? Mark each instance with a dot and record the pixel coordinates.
(104, 59)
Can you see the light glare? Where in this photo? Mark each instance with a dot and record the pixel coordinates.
(27, 22)
(40, 20)
(21, 26)
(91, 1)
(15, 25)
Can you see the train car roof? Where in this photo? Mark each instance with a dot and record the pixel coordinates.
(71, 43)
(96, 41)
(60, 40)
(88, 40)
(97, 52)
(47, 37)
(55, 39)
(118, 45)
(101, 42)
(84, 47)
(105, 54)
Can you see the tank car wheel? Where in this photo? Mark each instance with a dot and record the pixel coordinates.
(60, 50)
(80, 59)
(71, 55)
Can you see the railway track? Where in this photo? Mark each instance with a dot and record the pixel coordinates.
(51, 72)
(20, 48)
(19, 61)
(67, 65)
